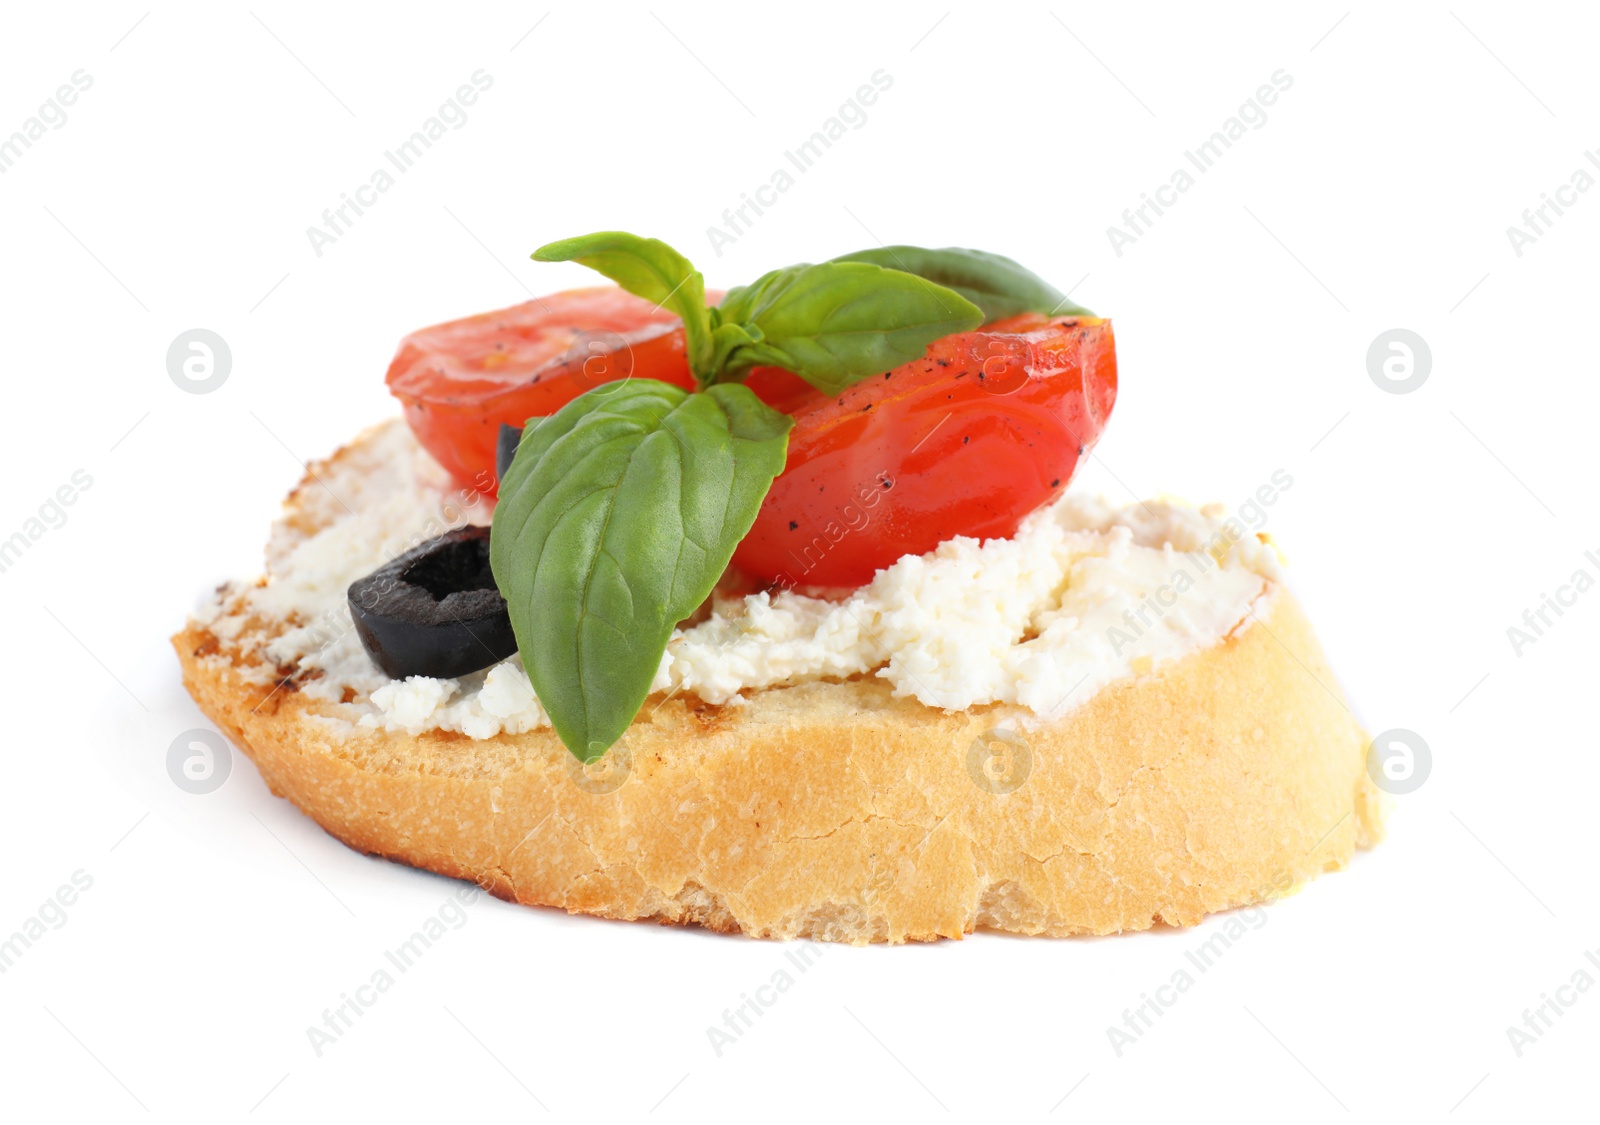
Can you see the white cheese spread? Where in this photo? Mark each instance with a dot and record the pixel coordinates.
(1083, 594)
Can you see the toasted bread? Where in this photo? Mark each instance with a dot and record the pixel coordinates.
(835, 811)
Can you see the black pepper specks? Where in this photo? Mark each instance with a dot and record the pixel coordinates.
(793, 526)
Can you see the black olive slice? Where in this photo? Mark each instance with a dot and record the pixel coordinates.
(435, 610)
(505, 448)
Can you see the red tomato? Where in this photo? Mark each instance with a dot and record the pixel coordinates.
(460, 380)
(968, 440)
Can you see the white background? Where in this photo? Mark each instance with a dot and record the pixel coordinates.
(1421, 526)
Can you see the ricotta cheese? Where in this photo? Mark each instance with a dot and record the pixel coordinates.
(1084, 594)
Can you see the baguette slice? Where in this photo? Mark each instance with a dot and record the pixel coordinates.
(834, 811)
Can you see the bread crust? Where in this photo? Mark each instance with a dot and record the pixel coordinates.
(836, 812)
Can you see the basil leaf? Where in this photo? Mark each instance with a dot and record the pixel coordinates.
(739, 303)
(648, 268)
(838, 322)
(615, 520)
(993, 282)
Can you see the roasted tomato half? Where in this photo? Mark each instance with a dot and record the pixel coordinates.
(458, 381)
(968, 440)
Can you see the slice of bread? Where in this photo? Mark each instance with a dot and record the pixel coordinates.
(833, 810)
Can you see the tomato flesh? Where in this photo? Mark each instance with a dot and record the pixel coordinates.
(460, 380)
(968, 440)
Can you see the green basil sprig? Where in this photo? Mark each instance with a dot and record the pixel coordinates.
(993, 282)
(616, 518)
(832, 324)
(836, 323)
(620, 511)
